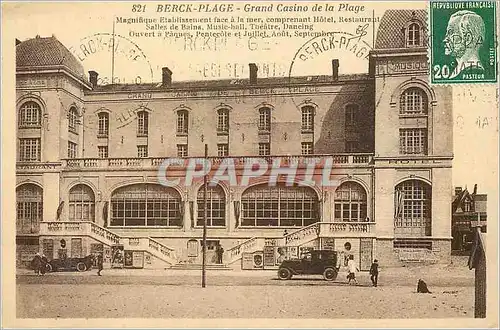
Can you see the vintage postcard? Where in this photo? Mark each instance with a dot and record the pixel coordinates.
(237, 164)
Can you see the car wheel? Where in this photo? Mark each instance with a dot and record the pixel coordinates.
(330, 274)
(284, 274)
(48, 267)
(81, 267)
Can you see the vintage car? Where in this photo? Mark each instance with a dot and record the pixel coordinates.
(79, 264)
(322, 262)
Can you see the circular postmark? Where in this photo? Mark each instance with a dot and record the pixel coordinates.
(116, 64)
(312, 57)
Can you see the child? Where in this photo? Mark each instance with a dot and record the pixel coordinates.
(351, 265)
(374, 272)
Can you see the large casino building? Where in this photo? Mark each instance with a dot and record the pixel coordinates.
(89, 155)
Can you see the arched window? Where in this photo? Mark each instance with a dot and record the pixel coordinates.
(146, 204)
(265, 119)
(103, 124)
(350, 202)
(182, 122)
(30, 115)
(413, 35)
(413, 101)
(216, 206)
(142, 123)
(223, 121)
(307, 118)
(81, 203)
(279, 206)
(413, 207)
(29, 199)
(72, 119)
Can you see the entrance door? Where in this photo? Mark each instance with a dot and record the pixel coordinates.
(211, 255)
(365, 253)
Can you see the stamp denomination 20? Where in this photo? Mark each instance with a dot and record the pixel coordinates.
(463, 48)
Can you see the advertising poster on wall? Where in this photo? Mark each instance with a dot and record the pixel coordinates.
(269, 257)
(117, 256)
(138, 259)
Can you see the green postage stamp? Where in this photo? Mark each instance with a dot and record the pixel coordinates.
(463, 42)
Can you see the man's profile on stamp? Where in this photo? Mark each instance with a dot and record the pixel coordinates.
(464, 37)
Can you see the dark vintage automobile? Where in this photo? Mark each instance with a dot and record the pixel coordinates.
(321, 262)
(68, 264)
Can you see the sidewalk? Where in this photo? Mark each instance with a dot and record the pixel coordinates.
(430, 273)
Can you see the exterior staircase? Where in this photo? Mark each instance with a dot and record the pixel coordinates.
(107, 237)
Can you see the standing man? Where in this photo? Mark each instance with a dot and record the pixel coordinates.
(99, 264)
(374, 272)
(220, 251)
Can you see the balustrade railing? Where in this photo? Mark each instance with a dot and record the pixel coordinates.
(301, 160)
(298, 237)
(161, 248)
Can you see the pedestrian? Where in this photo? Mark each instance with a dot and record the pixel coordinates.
(374, 272)
(352, 269)
(36, 263)
(285, 233)
(220, 252)
(43, 264)
(99, 264)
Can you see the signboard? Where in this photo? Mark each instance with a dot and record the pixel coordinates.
(138, 259)
(269, 256)
(246, 260)
(117, 256)
(328, 243)
(127, 256)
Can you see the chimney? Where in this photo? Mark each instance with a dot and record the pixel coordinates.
(458, 191)
(166, 77)
(335, 69)
(475, 189)
(253, 73)
(93, 78)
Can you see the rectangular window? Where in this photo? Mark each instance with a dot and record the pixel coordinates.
(307, 148)
(72, 149)
(29, 150)
(264, 149)
(182, 122)
(142, 151)
(142, 123)
(265, 119)
(223, 121)
(307, 119)
(182, 150)
(102, 151)
(103, 125)
(351, 146)
(223, 150)
(413, 141)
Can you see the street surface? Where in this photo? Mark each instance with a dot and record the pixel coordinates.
(244, 294)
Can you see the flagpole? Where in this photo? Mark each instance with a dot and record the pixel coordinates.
(113, 54)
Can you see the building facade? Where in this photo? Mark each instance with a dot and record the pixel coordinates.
(468, 212)
(90, 159)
